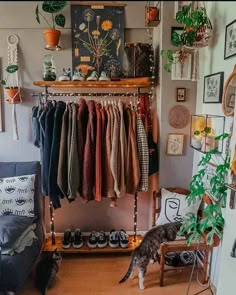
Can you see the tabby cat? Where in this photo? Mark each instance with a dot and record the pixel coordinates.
(46, 271)
(148, 249)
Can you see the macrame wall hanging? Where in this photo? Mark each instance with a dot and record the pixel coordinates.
(12, 89)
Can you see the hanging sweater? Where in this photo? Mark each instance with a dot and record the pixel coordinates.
(98, 157)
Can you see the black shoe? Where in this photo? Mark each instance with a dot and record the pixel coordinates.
(124, 239)
(113, 239)
(93, 240)
(77, 240)
(67, 238)
(102, 239)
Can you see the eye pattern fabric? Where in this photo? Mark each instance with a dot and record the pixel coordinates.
(17, 195)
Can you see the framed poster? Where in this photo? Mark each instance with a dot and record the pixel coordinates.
(181, 71)
(175, 144)
(97, 37)
(213, 88)
(230, 40)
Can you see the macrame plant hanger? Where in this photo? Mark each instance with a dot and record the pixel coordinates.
(12, 89)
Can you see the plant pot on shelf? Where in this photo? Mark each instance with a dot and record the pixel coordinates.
(52, 38)
(216, 239)
(13, 95)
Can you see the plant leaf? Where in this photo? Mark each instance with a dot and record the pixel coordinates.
(3, 82)
(60, 20)
(162, 52)
(37, 14)
(53, 6)
(12, 69)
(222, 136)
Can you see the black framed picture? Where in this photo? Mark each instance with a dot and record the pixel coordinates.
(230, 40)
(181, 94)
(213, 88)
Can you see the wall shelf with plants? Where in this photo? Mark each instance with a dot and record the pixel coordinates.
(205, 133)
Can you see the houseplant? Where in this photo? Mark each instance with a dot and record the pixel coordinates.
(211, 224)
(52, 35)
(196, 33)
(10, 84)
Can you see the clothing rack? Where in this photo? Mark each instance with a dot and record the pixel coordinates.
(128, 92)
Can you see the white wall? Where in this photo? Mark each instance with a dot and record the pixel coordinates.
(212, 61)
(174, 170)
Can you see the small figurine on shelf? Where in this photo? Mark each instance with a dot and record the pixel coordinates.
(49, 69)
(66, 75)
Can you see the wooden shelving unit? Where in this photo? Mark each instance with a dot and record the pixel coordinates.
(48, 247)
(122, 83)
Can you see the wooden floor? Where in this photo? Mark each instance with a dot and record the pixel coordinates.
(100, 274)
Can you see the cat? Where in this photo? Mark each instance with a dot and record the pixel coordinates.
(147, 251)
(46, 271)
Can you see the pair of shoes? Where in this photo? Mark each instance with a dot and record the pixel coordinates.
(118, 238)
(66, 75)
(95, 77)
(97, 239)
(75, 240)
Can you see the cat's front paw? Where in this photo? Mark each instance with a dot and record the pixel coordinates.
(131, 275)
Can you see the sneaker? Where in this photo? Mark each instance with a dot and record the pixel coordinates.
(113, 239)
(77, 240)
(93, 240)
(93, 76)
(124, 239)
(67, 238)
(102, 239)
(65, 75)
(104, 77)
(78, 76)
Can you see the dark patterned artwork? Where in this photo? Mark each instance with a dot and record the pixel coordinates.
(97, 38)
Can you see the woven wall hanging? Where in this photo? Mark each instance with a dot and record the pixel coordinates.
(179, 117)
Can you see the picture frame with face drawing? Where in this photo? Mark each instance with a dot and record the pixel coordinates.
(175, 144)
(230, 40)
(213, 88)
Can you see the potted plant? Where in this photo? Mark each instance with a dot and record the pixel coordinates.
(197, 27)
(210, 225)
(52, 35)
(11, 88)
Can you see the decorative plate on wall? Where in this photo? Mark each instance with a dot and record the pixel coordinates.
(179, 117)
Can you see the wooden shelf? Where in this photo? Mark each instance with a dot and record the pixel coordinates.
(122, 83)
(48, 247)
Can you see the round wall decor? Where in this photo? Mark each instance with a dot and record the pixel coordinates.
(179, 117)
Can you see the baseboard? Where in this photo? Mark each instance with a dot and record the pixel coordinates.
(59, 234)
(213, 288)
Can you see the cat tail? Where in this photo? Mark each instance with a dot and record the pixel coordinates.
(131, 267)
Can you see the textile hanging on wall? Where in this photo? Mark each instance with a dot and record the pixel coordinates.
(97, 38)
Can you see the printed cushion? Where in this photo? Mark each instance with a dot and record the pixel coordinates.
(17, 195)
(174, 207)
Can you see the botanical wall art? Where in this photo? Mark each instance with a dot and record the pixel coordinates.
(97, 37)
(230, 40)
(175, 144)
(213, 88)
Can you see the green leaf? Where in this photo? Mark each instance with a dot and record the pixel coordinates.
(53, 6)
(60, 20)
(175, 39)
(37, 14)
(207, 130)
(196, 132)
(12, 69)
(167, 67)
(162, 52)
(222, 136)
(3, 82)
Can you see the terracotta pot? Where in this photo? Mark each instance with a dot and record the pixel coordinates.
(216, 239)
(152, 13)
(206, 199)
(52, 37)
(13, 95)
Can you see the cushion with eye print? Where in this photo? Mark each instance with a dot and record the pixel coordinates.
(17, 195)
(174, 207)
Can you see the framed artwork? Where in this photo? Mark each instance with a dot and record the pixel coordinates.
(230, 40)
(175, 144)
(213, 88)
(231, 100)
(97, 37)
(181, 71)
(180, 94)
(179, 5)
